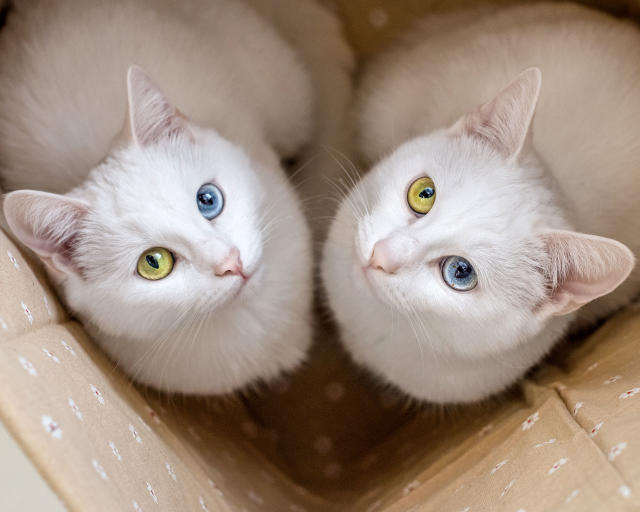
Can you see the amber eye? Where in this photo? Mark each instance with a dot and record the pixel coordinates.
(155, 263)
(422, 195)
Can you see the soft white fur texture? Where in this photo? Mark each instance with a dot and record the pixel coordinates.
(245, 100)
(513, 202)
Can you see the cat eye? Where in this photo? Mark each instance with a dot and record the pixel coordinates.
(155, 263)
(422, 195)
(459, 274)
(210, 201)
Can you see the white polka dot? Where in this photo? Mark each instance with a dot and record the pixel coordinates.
(171, 472)
(267, 476)
(332, 470)
(616, 450)
(68, 348)
(114, 449)
(26, 364)
(136, 507)
(74, 408)
(543, 443)
(3, 324)
(99, 469)
(530, 421)
(135, 434)
(485, 430)
(374, 506)
(378, 17)
(255, 497)
(46, 305)
(216, 489)
(13, 260)
(624, 491)
(51, 355)
(152, 493)
(507, 488)
(323, 445)
(556, 466)
(334, 391)
(498, 466)
(628, 394)
(153, 414)
(27, 312)
(203, 504)
(572, 496)
(144, 424)
(230, 458)
(97, 394)
(410, 487)
(596, 428)
(52, 427)
(194, 434)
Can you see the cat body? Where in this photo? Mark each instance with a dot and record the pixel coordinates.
(235, 306)
(514, 194)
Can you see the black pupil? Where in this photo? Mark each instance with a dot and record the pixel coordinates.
(206, 198)
(463, 269)
(426, 193)
(152, 261)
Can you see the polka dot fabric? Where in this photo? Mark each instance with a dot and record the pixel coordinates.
(327, 438)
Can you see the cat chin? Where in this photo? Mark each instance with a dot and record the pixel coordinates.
(247, 287)
(373, 282)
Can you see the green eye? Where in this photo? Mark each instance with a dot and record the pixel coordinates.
(155, 263)
(422, 195)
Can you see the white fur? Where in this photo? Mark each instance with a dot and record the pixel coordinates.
(248, 99)
(509, 208)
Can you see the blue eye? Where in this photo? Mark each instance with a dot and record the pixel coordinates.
(459, 274)
(210, 201)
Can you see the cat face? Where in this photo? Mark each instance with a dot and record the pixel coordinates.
(173, 252)
(149, 245)
(451, 252)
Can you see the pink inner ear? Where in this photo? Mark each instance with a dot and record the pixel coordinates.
(583, 267)
(151, 117)
(504, 122)
(47, 224)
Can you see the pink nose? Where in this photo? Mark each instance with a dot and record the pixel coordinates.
(383, 259)
(231, 265)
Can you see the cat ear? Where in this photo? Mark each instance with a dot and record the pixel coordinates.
(46, 223)
(581, 268)
(505, 121)
(150, 116)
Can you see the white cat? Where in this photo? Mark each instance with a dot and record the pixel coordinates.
(179, 243)
(460, 259)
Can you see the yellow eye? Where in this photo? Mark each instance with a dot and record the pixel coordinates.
(422, 195)
(155, 263)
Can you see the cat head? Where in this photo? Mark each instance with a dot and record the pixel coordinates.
(176, 224)
(458, 231)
